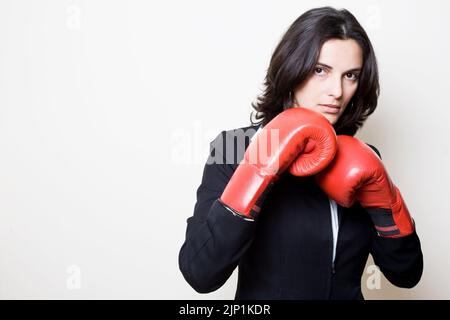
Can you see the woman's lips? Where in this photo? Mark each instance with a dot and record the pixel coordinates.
(330, 109)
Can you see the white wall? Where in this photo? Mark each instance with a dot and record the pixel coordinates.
(99, 98)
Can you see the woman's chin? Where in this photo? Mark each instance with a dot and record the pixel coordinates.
(331, 118)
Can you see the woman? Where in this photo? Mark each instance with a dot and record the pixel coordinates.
(301, 219)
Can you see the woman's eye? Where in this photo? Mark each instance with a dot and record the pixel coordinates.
(352, 76)
(318, 70)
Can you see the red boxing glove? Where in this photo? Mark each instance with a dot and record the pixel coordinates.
(357, 174)
(294, 132)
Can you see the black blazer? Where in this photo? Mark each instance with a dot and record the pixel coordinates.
(287, 252)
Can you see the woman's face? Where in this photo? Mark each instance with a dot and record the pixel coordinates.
(333, 81)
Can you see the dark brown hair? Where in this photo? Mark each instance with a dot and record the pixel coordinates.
(295, 58)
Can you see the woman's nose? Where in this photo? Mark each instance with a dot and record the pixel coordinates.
(335, 88)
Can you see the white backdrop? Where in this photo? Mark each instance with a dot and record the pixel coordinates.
(107, 109)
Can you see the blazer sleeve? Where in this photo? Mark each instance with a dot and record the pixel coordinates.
(400, 259)
(215, 238)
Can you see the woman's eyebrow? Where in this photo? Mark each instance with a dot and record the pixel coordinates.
(329, 67)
